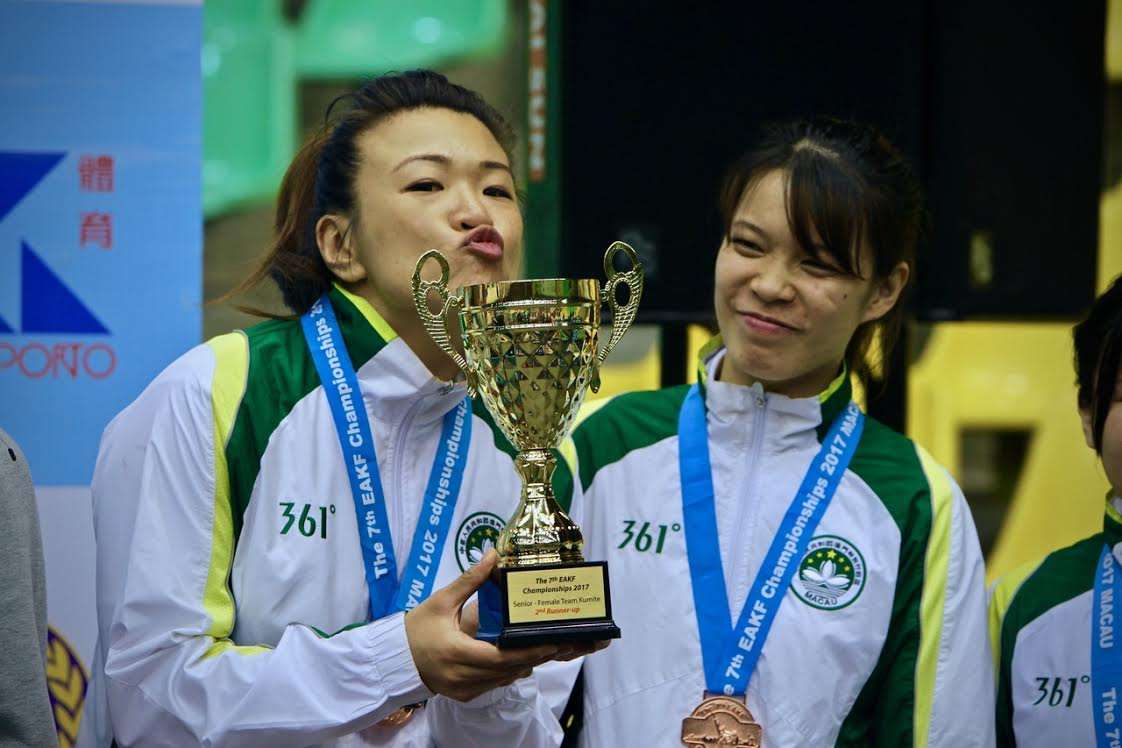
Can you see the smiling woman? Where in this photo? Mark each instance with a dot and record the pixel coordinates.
(826, 587)
(822, 220)
(221, 494)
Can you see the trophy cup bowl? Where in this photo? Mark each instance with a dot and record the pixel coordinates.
(530, 351)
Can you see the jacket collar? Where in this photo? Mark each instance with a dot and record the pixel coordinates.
(727, 401)
(386, 364)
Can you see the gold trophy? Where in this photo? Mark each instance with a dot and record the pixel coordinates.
(530, 350)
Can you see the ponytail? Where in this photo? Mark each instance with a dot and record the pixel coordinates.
(293, 260)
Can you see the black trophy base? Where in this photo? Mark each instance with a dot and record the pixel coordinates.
(554, 604)
(559, 633)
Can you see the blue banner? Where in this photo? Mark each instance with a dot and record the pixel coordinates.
(100, 216)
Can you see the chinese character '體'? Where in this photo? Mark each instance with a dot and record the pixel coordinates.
(95, 173)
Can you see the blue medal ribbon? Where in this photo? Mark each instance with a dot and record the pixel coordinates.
(730, 653)
(1106, 651)
(340, 384)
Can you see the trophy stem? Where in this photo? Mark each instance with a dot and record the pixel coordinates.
(540, 531)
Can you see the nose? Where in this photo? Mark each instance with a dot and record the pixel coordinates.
(772, 281)
(469, 212)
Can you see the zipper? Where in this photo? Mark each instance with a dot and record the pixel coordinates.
(751, 495)
(399, 482)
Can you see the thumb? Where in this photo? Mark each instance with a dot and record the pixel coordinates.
(457, 593)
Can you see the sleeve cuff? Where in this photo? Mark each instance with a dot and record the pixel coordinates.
(389, 650)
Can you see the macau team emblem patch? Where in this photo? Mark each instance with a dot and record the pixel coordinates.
(478, 533)
(831, 574)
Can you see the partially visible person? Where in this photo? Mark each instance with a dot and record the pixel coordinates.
(25, 704)
(1054, 623)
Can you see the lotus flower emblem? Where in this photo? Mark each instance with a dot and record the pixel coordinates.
(826, 576)
(475, 555)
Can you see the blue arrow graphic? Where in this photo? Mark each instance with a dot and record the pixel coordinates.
(48, 306)
(19, 173)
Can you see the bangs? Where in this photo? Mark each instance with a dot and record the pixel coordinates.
(825, 206)
(1106, 381)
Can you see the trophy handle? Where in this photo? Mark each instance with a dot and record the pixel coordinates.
(437, 324)
(622, 314)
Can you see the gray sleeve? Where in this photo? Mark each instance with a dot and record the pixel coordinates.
(25, 705)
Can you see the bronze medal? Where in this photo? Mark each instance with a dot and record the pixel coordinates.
(721, 721)
(400, 717)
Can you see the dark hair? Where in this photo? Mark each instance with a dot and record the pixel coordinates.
(1098, 347)
(321, 178)
(849, 184)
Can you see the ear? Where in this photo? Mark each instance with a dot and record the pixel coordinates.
(337, 247)
(886, 292)
(1088, 427)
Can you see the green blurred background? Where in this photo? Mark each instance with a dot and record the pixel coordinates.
(271, 67)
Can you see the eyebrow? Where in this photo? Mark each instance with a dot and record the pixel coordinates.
(819, 251)
(443, 160)
(749, 225)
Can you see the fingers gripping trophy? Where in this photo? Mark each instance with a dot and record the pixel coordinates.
(530, 351)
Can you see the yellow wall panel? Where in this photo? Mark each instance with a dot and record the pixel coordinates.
(1016, 376)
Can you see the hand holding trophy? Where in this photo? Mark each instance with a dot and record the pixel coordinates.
(530, 350)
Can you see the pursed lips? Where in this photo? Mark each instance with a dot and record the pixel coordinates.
(485, 242)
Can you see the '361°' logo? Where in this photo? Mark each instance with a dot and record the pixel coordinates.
(645, 538)
(310, 520)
